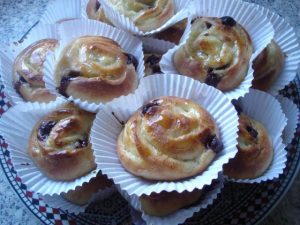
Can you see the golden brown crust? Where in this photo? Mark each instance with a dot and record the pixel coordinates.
(217, 52)
(268, 66)
(59, 143)
(173, 33)
(28, 71)
(94, 11)
(82, 195)
(147, 15)
(169, 138)
(165, 203)
(255, 152)
(95, 69)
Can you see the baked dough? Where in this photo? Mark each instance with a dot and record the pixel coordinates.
(28, 71)
(96, 69)
(152, 63)
(59, 143)
(173, 33)
(169, 138)
(147, 15)
(255, 152)
(94, 11)
(267, 66)
(82, 195)
(217, 53)
(165, 203)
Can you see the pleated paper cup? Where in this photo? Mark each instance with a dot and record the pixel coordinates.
(265, 109)
(291, 111)
(210, 194)
(124, 23)
(255, 23)
(71, 30)
(58, 201)
(16, 127)
(106, 129)
(58, 11)
(11, 51)
(287, 40)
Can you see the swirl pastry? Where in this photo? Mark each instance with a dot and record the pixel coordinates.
(267, 66)
(165, 203)
(83, 194)
(217, 53)
(169, 138)
(152, 63)
(173, 33)
(147, 15)
(94, 11)
(28, 71)
(95, 69)
(255, 152)
(60, 146)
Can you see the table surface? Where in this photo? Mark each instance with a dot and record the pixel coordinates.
(18, 16)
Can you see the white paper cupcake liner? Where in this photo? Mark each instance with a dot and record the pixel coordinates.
(106, 129)
(287, 40)
(256, 24)
(16, 127)
(70, 30)
(58, 11)
(120, 21)
(180, 215)
(10, 52)
(291, 111)
(57, 201)
(265, 109)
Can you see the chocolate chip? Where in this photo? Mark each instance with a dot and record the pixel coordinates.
(156, 69)
(153, 60)
(146, 108)
(45, 129)
(208, 25)
(22, 79)
(252, 131)
(213, 143)
(212, 79)
(131, 59)
(237, 107)
(81, 143)
(228, 21)
(65, 81)
(97, 6)
(193, 20)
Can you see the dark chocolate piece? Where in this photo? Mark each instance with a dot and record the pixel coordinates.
(81, 143)
(45, 129)
(65, 81)
(153, 60)
(228, 21)
(131, 59)
(208, 25)
(212, 79)
(146, 108)
(213, 143)
(252, 131)
(97, 6)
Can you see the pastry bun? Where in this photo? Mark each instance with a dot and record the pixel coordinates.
(94, 11)
(59, 143)
(169, 138)
(28, 71)
(95, 69)
(255, 152)
(217, 52)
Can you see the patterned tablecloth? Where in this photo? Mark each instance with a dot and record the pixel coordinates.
(18, 16)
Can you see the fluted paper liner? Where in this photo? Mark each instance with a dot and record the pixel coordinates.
(16, 127)
(10, 52)
(57, 201)
(265, 109)
(124, 23)
(69, 30)
(287, 40)
(58, 11)
(106, 129)
(291, 111)
(182, 214)
(256, 24)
